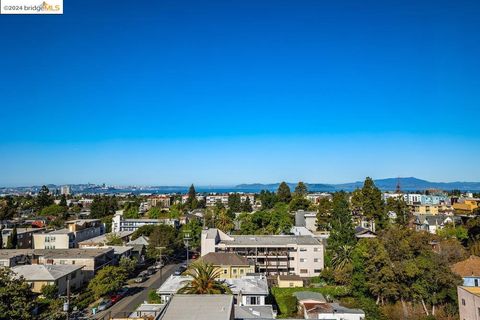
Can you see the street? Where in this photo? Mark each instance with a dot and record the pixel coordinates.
(138, 294)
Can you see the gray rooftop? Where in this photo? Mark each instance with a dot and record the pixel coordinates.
(10, 253)
(248, 285)
(253, 312)
(72, 253)
(270, 240)
(199, 307)
(103, 238)
(38, 272)
(309, 295)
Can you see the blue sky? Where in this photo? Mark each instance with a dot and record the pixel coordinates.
(226, 92)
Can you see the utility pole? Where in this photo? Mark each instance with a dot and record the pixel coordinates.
(186, 238)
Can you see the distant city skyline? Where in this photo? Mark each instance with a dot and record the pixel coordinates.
(223, 93)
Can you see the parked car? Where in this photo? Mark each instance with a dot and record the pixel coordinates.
(115, 298)
(158, 265)
(105, 304)
(123, 292)
(144, 273)
(180, 270)
(151, 270)
(140, 278)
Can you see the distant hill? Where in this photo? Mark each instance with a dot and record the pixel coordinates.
(388, 184)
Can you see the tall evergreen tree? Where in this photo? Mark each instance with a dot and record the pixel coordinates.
(63, 201)
(44, 199)
(247, 205)
(283, 193)
(192, 201)
(399, 206)
(301, 189)
(342, 232)
(373, 207)
(234, 203)
(323, 214)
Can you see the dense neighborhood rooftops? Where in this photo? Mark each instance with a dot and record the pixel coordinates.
(468, 268)
(199, 307)
(10, 253)
(39, 272)
(225, 259)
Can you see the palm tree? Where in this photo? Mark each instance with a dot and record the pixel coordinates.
(342, 257)
(204, 280)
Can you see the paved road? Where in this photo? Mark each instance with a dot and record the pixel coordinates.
(131, 302)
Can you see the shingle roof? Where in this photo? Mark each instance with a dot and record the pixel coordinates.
(71, 253)
(468, 268)
(225, 259)
(39, 272)
(199, 307)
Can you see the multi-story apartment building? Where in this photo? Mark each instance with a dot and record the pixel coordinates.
(24, 236)
(162, 201)
(69, 237)
(271, 254)
(119, 223)
(212, 199)
(469, 303)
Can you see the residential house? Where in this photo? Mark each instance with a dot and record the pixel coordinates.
(230, 265)
(254, 312)
(467, 204)
(204, 307)
(361, 232)
(469, 270)
(433, 223)
(247, 291)
(62, 276)
(469, 303)
(289, 281)
(315, 306)
(271, 254)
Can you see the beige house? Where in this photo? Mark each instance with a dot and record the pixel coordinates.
(230, 265)
(289, 281)
(469, 303)
(38, 276)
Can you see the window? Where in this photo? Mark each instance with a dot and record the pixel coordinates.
(303, 260)
(463, 302)
(241, 271)
(234, 271)
(253, 300)
(315, 249)
(315, 260)
(224, 271)
(476, 282)
(303, 249)
(303, 271)
(317, 270)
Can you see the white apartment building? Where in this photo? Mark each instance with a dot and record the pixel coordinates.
(212, 199)
(271, 254)
(69, 237)
(119, 223)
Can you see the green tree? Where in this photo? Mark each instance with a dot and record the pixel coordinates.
(283, 193)
(450, 231)
(103, 206)
(154, 297)
(113, 239)
(194, 228)
(192, 201)
(50, 291)
(44, 199)
(400, 207)
(224, 222)
(342, 257)
(107, 281)
(247, 205)
(234, 203)
(16, 298)
(131, 213)
(163, 236)
(145, 230)
(63, 201)
(7, 208)
(12, 240)
(299, 203)
(373, 205)
(204, 280)
(53, 210)
(268, 199)
(127, 264)
(323, 214)
(301, 189)
(154, 213)
(342, 231)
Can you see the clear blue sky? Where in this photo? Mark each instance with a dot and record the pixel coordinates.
(225, 92)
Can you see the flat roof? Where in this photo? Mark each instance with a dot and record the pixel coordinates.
(270, 240)
(246, 284)
(71, 253)
(254, 312)
(10, 253)
(199, 307)
(103, 238)
(225, 259)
